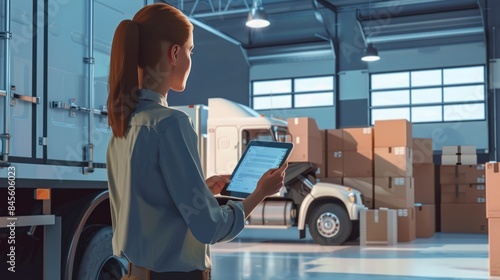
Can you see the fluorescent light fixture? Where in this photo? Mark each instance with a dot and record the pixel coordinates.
(371, 53)
(257, 16)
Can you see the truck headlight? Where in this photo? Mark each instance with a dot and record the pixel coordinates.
(352, 198)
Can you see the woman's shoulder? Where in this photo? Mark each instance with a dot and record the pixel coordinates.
(159, 116)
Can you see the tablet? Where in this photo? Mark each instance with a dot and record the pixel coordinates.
(258, 158)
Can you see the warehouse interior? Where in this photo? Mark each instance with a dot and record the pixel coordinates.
(411, 138)
(328, 38)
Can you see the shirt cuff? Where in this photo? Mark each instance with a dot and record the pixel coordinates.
(238, 219)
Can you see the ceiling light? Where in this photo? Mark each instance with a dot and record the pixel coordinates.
(371, 53)
(257, 16)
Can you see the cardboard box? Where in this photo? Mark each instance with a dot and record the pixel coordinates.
(422, 151)
(425, 216)
(363, 185)
(334, 141)
(462, 174)
(494, 246)
(464, 218)
(335, 163)
(378, 227)
(424, 183)
(493, 190)
(321, 170)
(406, 224)
(458, 159)
(393, 162)
(393, 133)
(306, 137)
(470, 193)
(358, 163)
(459, 150)
(394, 192)
(357, 139)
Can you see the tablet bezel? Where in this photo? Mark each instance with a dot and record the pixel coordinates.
(281, 145)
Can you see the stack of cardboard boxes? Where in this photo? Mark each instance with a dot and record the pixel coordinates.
(394, 185)
(334, 158)
(358, 161)
(463, 194)
(425, 187)
(307, 140)
(349, 160)
(493, 215)
(380, 163)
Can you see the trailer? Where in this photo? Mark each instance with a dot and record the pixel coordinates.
(54, 209)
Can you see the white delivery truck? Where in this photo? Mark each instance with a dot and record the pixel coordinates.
(54, 208)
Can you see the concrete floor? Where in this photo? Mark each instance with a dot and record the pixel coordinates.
(259, 254)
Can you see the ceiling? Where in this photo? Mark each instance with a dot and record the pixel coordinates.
(310, 24)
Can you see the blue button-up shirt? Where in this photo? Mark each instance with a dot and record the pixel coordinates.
(162, 212)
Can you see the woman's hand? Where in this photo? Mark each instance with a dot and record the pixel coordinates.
(269, 184)
(216, 183)
(272, 181)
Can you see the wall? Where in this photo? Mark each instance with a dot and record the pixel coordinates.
(219, 69)
(354, 90)
(493, 8)
(325, 116)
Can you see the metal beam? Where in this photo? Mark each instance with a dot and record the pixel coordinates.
(425, 35)
(214, 31)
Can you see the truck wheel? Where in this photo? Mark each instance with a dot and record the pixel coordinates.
(329, 224)
(97, 260)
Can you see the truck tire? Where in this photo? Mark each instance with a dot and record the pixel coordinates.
(329, 224)
(97, 260)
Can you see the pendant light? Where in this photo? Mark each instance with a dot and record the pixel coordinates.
(257, 16)
(370, 53)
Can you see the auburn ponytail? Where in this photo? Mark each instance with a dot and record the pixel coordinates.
(123, 76)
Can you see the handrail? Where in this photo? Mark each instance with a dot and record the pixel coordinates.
(5, 135)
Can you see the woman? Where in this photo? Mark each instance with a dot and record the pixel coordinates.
(164, 213)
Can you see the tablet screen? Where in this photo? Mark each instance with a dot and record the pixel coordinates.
(257, 161)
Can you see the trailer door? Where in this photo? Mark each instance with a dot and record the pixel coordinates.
(226, 149)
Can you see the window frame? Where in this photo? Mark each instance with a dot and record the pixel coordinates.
(442, 86)
(293, 93)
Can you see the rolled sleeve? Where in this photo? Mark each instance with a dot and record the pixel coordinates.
(181, 170)
(238, 213)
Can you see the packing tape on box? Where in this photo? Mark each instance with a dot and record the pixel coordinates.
(297, 140)
(375, 216)
(399, 181)
(400, 150)
(296, 120)
(367, 130)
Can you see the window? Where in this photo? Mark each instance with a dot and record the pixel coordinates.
(424, 96)
(293, 93)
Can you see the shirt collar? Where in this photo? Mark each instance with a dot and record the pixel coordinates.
(154, 96)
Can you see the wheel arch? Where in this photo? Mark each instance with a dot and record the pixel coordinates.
(310, 203)
(320, 201)
(92, 209)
